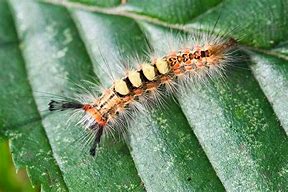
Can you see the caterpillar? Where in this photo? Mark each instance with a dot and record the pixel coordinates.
(160, 74)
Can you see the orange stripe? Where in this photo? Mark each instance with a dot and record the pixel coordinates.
(127, 98)
(199, 64)
(97, 116)
(177, 71)
(176, 66)
(164, 79)
(86, 107)
(188, 62)
(138, 92)
(188, 67)
(151, 85)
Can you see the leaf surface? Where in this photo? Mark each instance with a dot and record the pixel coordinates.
(228, 135)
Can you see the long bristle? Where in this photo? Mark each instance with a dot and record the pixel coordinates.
(63, 105)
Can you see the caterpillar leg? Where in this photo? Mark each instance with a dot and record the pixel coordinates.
(96, 141)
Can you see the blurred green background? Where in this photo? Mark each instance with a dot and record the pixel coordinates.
(10, 180)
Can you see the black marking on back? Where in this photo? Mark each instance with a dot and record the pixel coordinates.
(118, 94)
(143, 77)
(112, 95)
(157, 73)
(129, 84)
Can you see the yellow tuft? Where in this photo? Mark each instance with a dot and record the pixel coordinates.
(121, 87)
(134, 78)
(148, 71)
(162, 66)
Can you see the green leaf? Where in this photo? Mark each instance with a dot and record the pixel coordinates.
(102, 3)
(228, 135)
(171, 11)
(29, 144)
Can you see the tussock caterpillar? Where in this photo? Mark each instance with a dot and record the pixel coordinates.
(195, 58)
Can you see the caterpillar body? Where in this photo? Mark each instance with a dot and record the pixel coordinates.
(138, 85)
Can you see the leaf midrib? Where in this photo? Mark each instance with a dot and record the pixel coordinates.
(120, 11)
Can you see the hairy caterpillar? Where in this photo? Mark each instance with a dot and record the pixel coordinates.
(204, 56)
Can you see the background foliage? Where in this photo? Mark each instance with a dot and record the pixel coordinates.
(229, 135)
